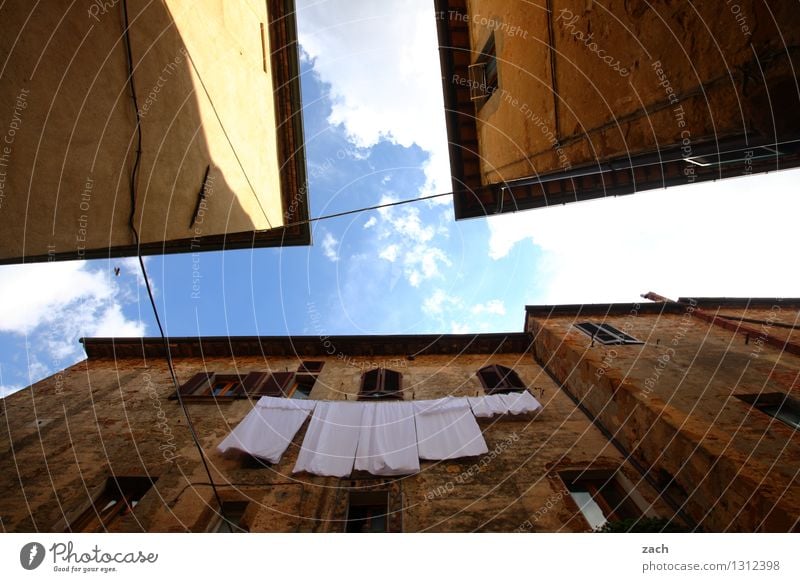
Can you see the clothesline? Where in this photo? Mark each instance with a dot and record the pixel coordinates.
(384, 438)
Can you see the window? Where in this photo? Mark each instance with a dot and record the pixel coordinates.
(211, 386)
(483, 74)
(499, 379)
(304, 380)
(119, 498)
(600, 498)
(777, 405)
(233, 520)
(381, 384)
(606, 334)
(310, 367)
(303, 386)
(227, 387)
(368, 512)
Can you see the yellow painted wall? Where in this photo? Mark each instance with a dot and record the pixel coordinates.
(65, 183)
(621, 71)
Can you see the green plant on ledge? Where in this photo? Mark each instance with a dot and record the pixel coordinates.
(642, 525)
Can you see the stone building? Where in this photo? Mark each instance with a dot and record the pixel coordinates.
(703, 393)
(565, 100)
(181, 118)
(658, 411)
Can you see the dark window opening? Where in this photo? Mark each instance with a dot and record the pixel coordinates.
(118, 499)
(483, 76)
(606, 334)
(251, 462)
(308, 367)
(381, 384)
(601, 499)
(304, 384)
(499, 379)
(231, 518)
(367, 512)
(776, 404)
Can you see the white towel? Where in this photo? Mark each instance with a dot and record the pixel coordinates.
(387, 444)
(329, 448)
(488, 406)
(446, 429)
(520, 402)
(269, 428)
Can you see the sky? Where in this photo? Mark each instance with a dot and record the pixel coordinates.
(375, 132)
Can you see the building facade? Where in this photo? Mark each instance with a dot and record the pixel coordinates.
(115, 416)
(568, 100)
(652, 414)
(183, 120)
(704, 394)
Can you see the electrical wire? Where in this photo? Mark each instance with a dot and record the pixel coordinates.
(131, 222)
(365, 209)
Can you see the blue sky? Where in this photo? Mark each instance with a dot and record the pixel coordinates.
(375, 132)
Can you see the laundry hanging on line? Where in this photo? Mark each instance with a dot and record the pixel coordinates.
(382, 438)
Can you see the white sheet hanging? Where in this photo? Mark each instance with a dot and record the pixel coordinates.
(269, 428)
(487, 406)
(388, 441)
(329, 448)
(510, 403)
(446, 429)
(520, 402)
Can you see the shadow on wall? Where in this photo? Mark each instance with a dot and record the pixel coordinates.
(68, 135)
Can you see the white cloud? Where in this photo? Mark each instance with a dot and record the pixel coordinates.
(381, 62)
(495, 307)
(410, 242)
(330, 247)
(371, 222)
(436, 303)
(390, 253)
(46, 307)
(422, 263)
(727, 238)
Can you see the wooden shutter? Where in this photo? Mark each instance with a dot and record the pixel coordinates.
(381, 383)
(252, 383)
(392, 383)
(277, 384)
(499, 379)
(490, 378)
(509, 380)
(197, 382)
(370, 383)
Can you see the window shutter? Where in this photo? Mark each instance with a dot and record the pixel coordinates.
(490, 378)
(392, 382)
(381, 383)
(277, 384)
(253, 382)
(509, 379)
(370, 382)
(197, 383)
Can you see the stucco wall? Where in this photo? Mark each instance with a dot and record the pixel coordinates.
(67, 170)
(631, 77)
